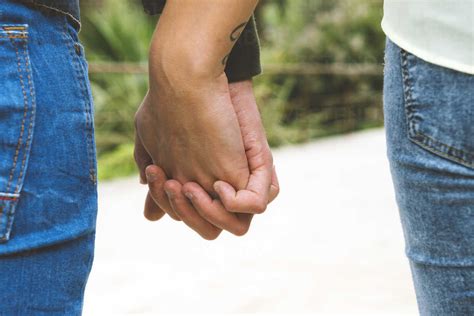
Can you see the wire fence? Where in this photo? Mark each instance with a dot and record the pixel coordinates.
(325, 98)
(339, 69)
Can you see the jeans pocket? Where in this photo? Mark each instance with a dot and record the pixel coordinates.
(17, 117)
(439, 106)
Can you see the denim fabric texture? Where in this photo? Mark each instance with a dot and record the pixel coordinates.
(429, 120)
(48, 199)
(48, 281)
(47, 159)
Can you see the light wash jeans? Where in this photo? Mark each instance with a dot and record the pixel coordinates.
(48, 200)
(429, 120)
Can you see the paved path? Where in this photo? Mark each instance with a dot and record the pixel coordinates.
(330, 245)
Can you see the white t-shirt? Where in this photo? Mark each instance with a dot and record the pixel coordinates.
(438, 31)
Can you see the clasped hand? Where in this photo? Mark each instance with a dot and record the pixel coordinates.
(202, 150)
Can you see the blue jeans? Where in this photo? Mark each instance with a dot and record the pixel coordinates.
(429, 120)
(48, 199)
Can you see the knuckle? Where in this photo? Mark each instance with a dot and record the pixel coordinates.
(167, 186)
(231, 206)
(259, 207)
(241, 230)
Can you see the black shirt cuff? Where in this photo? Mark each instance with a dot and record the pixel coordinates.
(244, 59)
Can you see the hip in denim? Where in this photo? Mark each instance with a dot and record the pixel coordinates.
(47, 151)
(429, 120)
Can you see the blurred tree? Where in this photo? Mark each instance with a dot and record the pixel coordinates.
(320, 31)
(294, 107)
(116, 31)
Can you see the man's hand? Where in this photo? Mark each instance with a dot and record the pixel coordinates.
(195, 207)
(188, 125)
(194, 134)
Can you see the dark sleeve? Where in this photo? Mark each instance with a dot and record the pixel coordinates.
(244, 60)
(153, 6)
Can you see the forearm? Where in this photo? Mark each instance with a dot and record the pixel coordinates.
(194, 38)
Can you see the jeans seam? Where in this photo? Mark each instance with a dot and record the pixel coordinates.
(89, 127)
(430, 144)
(419, 138)
(25, 111)
(56, 10)
(32, 116)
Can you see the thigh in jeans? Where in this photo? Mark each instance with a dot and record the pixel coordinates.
(429, 119)
(48, 200)
(46, 281)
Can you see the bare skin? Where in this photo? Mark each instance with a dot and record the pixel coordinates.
(205, 134)
(190, 202)
(191, 138)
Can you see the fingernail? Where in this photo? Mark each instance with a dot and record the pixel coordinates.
(216, 187)
(189, 195)
(151, 177)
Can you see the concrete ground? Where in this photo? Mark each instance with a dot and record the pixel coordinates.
(331, 244)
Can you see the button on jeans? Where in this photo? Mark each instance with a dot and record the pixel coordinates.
(48, 199)
(429, 120)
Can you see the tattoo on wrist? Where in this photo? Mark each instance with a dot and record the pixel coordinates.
(225, 59)
(234, 35)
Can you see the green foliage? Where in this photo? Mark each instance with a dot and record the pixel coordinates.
(116, 99)
(117, 163)
(116, 31)
(294, 108)
(299, 108)
(322, 31)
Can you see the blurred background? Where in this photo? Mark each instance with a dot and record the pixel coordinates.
(331, 244)
(322, 63)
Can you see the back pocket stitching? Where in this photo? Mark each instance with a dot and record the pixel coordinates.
(25, 113)
(32, 117)
(7, 199)
(433, 145)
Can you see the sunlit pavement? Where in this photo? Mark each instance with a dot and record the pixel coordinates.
(331, 244)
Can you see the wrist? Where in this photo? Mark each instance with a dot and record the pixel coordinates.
(183, 65)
